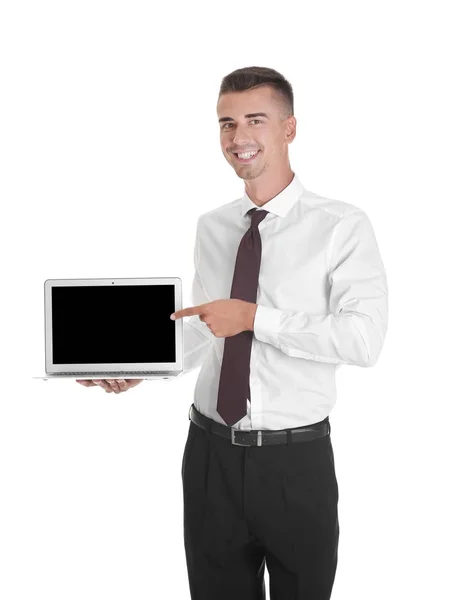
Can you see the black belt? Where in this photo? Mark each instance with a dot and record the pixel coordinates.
(261, 437)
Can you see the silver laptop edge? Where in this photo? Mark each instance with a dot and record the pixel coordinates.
(119, 370)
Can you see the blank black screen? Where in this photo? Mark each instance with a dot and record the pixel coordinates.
(113, 324)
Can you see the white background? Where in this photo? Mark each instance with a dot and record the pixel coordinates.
(109, 153)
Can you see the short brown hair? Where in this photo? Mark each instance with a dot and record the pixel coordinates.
(251, 77)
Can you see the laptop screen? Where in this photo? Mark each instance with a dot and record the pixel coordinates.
(113, 324)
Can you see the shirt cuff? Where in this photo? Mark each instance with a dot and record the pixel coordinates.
(267, 324)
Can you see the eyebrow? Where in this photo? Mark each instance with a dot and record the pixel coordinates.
(249, 116)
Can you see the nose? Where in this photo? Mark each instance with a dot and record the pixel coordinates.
(240, 137)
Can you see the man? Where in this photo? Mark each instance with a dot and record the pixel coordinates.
(288, 286)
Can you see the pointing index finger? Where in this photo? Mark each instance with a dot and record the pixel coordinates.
(188, 312)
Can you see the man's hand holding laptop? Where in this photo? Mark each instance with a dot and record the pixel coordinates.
(111, 385)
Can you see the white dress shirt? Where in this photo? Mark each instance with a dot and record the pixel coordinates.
(322, 302)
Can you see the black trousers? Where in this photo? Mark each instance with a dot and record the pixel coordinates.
(248, 507)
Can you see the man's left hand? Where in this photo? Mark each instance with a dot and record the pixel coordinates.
(224, 318)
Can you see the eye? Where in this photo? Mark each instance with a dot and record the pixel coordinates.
(253, 120)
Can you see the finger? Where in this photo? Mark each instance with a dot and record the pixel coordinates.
(122, 384)
(188, 312)
(103, 383)
(185, 312)
(126, 384)
(85, 382)
(133, 382)
(113, 385)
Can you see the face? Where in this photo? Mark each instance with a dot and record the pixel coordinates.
(242, 129)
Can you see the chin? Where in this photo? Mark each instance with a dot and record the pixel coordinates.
(248, 175)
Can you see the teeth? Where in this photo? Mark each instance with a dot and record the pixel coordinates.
(247, 154)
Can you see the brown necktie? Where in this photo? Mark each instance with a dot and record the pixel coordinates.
(234, 387)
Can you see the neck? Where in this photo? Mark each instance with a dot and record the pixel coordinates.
(267, 186)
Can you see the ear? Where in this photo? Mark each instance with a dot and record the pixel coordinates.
(290, 129)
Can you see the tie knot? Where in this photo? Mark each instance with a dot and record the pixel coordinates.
(257, 216)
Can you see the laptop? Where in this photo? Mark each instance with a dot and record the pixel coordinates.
(113, 328)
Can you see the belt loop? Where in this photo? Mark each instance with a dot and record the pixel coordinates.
(288, 437)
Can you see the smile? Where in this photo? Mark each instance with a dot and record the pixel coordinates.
(246, 157)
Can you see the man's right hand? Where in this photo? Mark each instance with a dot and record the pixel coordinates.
(111, 385)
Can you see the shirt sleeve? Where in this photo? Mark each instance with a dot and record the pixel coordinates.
(353, 331)
(197, 336)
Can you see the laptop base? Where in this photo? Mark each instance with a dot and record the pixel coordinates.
(110, 376)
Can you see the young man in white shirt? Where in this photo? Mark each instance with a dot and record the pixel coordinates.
(263, 491)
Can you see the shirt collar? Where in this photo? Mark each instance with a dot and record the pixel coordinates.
(279, 204)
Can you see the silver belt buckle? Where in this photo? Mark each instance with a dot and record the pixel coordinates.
(234, 442)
